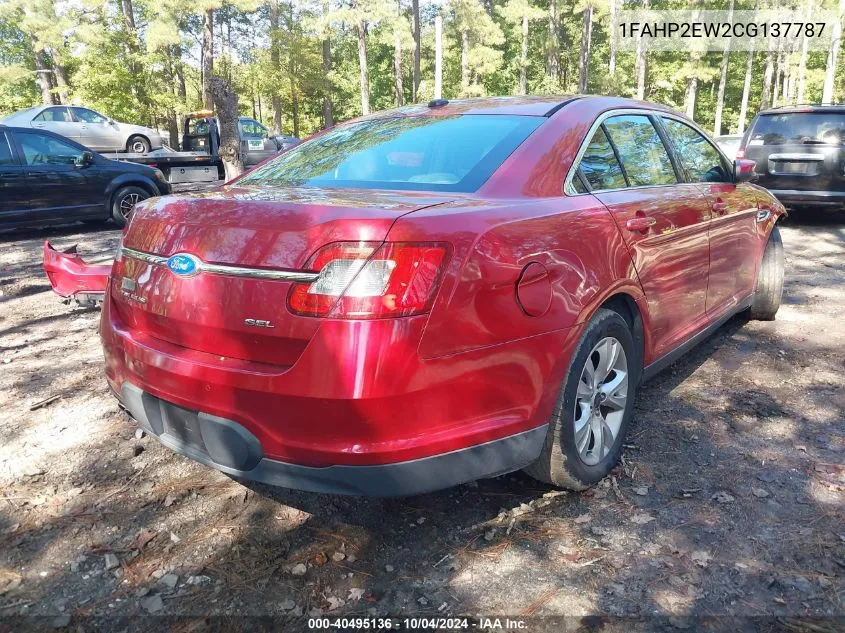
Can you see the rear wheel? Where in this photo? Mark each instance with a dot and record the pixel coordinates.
(594, 408)
(769, 288)
(137, 145)
(124, 201)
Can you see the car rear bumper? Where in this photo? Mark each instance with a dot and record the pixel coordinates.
(230, 448)
(349, 416)
(791, 197)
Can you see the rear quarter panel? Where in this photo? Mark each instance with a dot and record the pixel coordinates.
(574, 239)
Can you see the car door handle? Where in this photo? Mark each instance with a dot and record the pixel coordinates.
(640, 223)
(719, 207)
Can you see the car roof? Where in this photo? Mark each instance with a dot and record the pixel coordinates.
(529, 105)
(794, 109)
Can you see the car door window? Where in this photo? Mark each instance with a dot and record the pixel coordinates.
(56, 115)
(599, 166)
(6, 156)
(701, 160)
(89, 116)
(41, 149)
(642, 152)
(252, 129)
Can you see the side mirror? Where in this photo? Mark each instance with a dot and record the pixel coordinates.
(85, 159)
(744, 170)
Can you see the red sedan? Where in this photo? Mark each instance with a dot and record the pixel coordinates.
(436, 294)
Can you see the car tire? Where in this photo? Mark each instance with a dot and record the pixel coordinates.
(561, 462)
(124, 201)
(138, 145)
(768, 290)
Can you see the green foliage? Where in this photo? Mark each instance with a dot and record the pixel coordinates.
(137, 75)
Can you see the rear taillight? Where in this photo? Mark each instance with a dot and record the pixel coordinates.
(740, 153)
(366, 280)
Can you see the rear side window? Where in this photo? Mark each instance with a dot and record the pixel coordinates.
(5, 151)
(799, 128)
(701, 160)
(599, 165)
(41, 149)
(60, 115)
(429, 153)
(643, 155)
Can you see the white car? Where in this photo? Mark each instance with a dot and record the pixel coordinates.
(90, 128)
(729, 144)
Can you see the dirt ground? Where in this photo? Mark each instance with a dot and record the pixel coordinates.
(728, 501)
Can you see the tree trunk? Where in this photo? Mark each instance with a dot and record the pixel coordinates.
(43, 75)
(746, 90)
(207, 58)
(438, 57)
(777, 72)
(802, 63)
(328, 117)
(464, 62)
(523, 58)
(275, 64)
(293, 72)
(553, 45)
(689, 98)
(765, 98)
(397, 68)
(415, 9)
(225, 102)
(62, 83)
(641, 61)
(611, 64)
(833, 56)
(362, 62)
(584, 56)
(295, 108)
(723, 80)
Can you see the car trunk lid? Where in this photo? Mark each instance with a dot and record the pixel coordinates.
(244, 233)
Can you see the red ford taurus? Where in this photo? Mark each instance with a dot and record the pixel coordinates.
(436, 294)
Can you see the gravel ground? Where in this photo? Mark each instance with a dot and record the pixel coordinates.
(728, 501)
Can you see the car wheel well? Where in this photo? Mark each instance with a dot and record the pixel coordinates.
(133, 183)
(625, 306)
(142, 136)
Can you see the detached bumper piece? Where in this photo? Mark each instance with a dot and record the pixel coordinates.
(71, 277)
(230, 448)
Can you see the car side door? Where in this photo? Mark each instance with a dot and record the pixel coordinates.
(58, 120)
(629, 168)
(734, 239)
(59, 185)
(13, 189)
(98, 132)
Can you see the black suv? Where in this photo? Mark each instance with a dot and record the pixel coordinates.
(800, 154)
(49, 179)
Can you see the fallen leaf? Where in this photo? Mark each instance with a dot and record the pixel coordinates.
(355, 593)
(142, 538)
(641, 490)
(642, 518)
(759, 492)
(320, 559)
(700, 558)
(584, 518)
(723, 497)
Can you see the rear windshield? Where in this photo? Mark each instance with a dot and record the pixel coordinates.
(807, 128)
(430, 153)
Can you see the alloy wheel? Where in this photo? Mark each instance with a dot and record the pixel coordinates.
(127, 204)
(600, 400)
(139, 147)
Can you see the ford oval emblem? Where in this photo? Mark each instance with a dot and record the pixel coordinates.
(183, 264)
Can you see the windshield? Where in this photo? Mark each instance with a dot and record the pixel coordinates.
(432, 153)
(826, 128)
